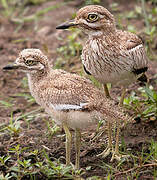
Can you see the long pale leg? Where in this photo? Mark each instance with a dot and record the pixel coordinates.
(122, 97)
(116, 152)
(116, 155)
(68, 143)
(77, 147)
(106, 91)
(108, 149)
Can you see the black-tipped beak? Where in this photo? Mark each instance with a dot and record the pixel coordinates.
(10, 67)
(67, 25)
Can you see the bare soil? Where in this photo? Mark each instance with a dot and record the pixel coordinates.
(136, 135)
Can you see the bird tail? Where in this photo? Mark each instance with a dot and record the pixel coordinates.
(143, 79)
(113, 112)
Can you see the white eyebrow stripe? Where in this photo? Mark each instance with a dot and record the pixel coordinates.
(68, 106)
(101, 16)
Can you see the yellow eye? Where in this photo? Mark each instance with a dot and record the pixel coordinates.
(92, 17)
(30, 62)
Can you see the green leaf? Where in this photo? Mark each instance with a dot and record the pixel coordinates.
(150, 93)
(138, 9)
(6, 104)
(131, 15)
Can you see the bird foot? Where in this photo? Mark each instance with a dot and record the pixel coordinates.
(106, 152)
(117, 156)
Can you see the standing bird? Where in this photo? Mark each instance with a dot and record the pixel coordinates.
(70, 99)
(110, 55)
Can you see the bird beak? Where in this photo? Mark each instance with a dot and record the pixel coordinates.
(11, 66)
(67, 25)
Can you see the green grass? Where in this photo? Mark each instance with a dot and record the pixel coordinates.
(70, 51)
(16, 11)
(21, 162)
(144, 105)
(36, 163)
(19, 166)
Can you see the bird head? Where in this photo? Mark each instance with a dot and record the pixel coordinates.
(30, 61)
(91, 19)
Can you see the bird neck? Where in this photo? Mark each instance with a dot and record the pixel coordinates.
(39, 75)
(103, 32)
(95, 34)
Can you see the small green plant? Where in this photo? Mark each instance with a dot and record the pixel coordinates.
(21, 167)
(4, 160)
(153, 150)
(54, 169)
(145, 107)
(14, 127)
(69, 51)
(16, 11)
(5, 177)
(27, 96)
(6, 104)
(52, 128)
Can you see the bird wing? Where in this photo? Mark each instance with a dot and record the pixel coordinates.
(61, 106)
(69, 91)
(63, 91)
(77, 93)
(134, 51)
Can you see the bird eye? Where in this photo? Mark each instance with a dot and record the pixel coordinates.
(30, 62)
(92, 17)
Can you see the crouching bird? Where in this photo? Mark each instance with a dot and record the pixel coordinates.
(70, 99)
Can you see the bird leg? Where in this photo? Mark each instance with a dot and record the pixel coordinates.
(122, 97)
(108, 149)
(116, 155)
(77, 147)
(68, 143)
(106, 91)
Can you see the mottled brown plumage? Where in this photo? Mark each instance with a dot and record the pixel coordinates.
(110, 55)
(71, 100)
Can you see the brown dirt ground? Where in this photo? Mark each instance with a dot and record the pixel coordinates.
(135, 135)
